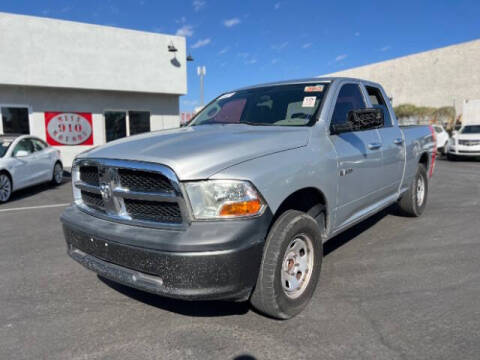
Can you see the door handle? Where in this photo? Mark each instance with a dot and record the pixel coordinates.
(398, 141)
(374, 146)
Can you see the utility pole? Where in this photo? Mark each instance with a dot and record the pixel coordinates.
(201, 71)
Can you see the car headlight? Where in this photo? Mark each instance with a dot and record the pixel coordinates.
(218, 199)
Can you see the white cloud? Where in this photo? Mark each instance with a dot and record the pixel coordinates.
(243, 54)
(200, 43)
(385, 48)
(280, 46)
(185, 30)
(224, 50)
(198, 4)
(341, 57)
(231, 22)
(182, 20)
(357, 34)
(306, 46)
(274, 61)
(277, 6)
(251, 61)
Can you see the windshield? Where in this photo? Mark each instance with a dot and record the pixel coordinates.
(282, 105)
(438, 129)
(471, 129)
(4, 145)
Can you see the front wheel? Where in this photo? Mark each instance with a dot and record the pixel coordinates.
(290, 266)
(413, 202)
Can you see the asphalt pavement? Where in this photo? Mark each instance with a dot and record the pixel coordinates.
(391, 288)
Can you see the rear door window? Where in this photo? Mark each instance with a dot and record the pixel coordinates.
(25, 145)
(378, 102)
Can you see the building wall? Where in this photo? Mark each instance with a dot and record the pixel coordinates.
(441, 77)
(163, 109)
(55, 53)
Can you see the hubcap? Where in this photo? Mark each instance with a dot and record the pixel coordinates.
(297, 266)
(58, 173)
(420, 191)
(5, 187)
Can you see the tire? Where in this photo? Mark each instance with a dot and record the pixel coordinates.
(5, 187)
(57, 175)
(413, 203)
(277, 294)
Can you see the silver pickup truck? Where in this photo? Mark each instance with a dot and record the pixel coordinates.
(237, 204)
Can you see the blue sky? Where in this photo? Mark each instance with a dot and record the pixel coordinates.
(253, 41)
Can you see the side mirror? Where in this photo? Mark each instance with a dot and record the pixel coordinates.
(360, 119)
(21, 153)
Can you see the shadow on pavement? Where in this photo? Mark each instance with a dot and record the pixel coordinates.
(228, 308)
(36, 189)
(189, 308)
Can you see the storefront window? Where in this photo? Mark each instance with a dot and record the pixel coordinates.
(139, 122)
(115, 125)
(15, 120)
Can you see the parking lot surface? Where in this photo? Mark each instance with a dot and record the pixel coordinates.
(391, 288)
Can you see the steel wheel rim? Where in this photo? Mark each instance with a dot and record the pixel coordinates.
(420, 190)
(5, 187)
(58, 173)
(297, 266)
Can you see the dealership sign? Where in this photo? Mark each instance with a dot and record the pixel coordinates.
(69, 128)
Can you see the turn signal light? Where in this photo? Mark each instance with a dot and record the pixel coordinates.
(243, 208)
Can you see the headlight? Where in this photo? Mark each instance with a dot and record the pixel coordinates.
(77, 194)
(215, 199)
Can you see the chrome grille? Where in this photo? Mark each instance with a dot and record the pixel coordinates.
(469, 142)
(129, 192)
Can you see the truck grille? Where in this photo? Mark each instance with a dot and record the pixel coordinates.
(129, 192)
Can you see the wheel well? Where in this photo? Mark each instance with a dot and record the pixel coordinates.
(305, 200)
(424, 160)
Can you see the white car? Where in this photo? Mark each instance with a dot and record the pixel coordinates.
(465, 142)
(25, 161)
(442, 138)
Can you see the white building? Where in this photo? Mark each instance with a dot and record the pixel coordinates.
(78, 85)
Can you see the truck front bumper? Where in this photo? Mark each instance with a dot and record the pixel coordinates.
(208, 261)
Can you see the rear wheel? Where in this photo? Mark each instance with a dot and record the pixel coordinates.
(413, 202)
(290, 266)
(5, 187)
(57, 176)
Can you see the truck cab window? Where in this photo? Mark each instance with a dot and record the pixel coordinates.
(349, 98)
(378, 102)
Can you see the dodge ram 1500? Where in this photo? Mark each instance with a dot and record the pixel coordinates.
(237, 204)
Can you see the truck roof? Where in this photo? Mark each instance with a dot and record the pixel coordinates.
(307, 80)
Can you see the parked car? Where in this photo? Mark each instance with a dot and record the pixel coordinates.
(25, 161)
(237, 204)
(442, 139)
(464, 143)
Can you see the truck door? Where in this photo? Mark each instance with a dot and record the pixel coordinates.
(393, 148)
(359, 159)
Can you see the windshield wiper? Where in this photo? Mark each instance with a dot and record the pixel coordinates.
(256, 123)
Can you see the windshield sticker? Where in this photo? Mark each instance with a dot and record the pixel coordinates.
(309, 101)
(316, 88)
(226, 96)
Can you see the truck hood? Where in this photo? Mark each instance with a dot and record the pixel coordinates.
(467, 137)
(198, 152)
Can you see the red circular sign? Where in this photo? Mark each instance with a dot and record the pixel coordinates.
(69, 128)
